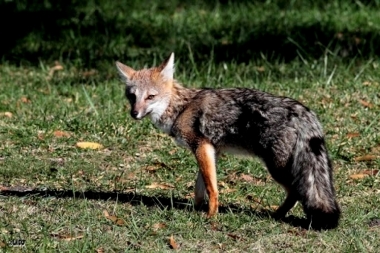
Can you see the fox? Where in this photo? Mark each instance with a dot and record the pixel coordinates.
(282, 132)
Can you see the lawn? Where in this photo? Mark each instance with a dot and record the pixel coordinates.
(135, 192)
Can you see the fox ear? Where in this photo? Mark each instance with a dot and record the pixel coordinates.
(124, 71)
(167, 68)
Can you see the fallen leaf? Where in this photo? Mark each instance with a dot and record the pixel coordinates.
(59, 134)
(151, 168)
(105, 213)
(376, 149)
(172, 152)
(353, 135)
(71, 238)
(3, 188)
(274, 207)
(41, 136)
(7, 114)
(57, 67)
(89, 145)
(228, 190)
(190, 195)
(25, 100)
(223, 184)
(16, 188)
(365, 103)
(120, 222)
(91, 72)
(100, 250)
(254, 199)
(2, 244)
(367, 83)
(215, 226)
(358, 176)
(235, 237)
(113, 218)
(160, 186)
(158, 226)
(161, 164)
(66, 237)
(246, 178)
(371, 172)
(298, 232)
(172, 243)
(365, 158)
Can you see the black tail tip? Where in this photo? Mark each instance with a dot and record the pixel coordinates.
(321, 220)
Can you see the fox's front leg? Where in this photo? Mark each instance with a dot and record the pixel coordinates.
(205, 155)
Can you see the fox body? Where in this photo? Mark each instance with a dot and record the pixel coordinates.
(285, 134)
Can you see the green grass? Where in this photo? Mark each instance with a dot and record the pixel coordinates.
(94, 33)
(54, 195)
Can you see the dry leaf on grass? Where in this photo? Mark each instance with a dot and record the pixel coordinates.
(190, 195)
(376, 149)
(25, 100)
(365, 158)
(157, 165)
(172, 243)
(59, 134)
(113, 218)
(247, 178)
(54, 69)
(370, 172)
(158, 226)
(160, 186)
(71, 238)
(89, 145)
(66, 237)
(298, 232)
(274, 207)
(3, 188)
(100, 250)
(7, 114)
(41, 136)
(358, 176)
(352, 135)
(16, 188)
(91, 72)
(365, 103)
(367, 83)
(236, 237)
(228, 190)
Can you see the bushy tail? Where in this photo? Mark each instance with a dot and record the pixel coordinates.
(313, 170)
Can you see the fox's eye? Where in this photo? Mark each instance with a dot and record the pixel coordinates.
(150, 97)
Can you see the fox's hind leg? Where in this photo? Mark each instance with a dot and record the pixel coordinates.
(290, 201)
(200, 190)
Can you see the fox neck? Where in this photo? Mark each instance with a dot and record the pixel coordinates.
(179, 99)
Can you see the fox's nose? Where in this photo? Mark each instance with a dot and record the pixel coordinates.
(134, 113)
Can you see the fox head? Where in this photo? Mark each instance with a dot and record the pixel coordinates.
(148, 90)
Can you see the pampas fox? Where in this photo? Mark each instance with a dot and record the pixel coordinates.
(285, 134)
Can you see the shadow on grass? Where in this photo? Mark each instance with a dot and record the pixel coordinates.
(149, 201)
(91, 33)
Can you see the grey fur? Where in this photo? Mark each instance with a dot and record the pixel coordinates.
(285, 134)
